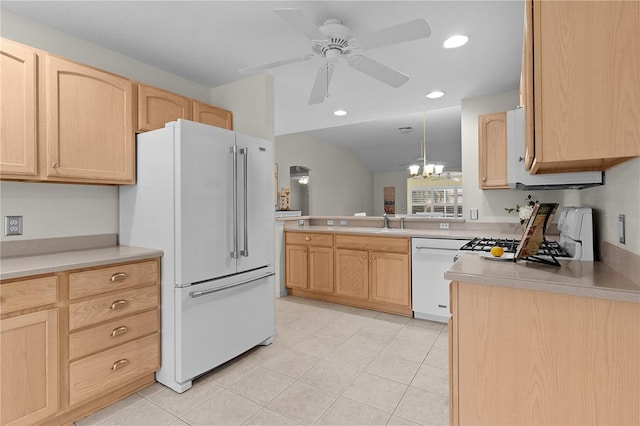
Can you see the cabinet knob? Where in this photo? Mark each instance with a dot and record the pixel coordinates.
(55, 165)
(118, 304)
(307, 238)
(120, 276)
(120, 363)
(118, 331)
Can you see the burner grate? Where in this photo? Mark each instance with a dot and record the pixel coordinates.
(547, 248)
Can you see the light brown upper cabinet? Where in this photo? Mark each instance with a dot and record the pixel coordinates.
(214, 116)
(157, 107)
(492, 151)
(18, 127)
(583, 97)
(89, 133)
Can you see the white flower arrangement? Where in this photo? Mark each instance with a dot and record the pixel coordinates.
(524, 212)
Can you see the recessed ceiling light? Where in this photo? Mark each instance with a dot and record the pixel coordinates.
(435, 94)
(455, 41)
(339, 112)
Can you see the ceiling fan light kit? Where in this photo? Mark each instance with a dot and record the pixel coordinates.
(332, 41)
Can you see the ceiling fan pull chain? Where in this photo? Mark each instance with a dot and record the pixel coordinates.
(327, 79)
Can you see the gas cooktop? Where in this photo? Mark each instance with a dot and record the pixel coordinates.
(547, 248)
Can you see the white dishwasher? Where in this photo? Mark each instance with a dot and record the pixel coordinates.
(430, 259)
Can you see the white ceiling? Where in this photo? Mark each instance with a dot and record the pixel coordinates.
(209, 41)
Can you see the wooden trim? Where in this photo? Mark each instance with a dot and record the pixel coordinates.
(360, 303)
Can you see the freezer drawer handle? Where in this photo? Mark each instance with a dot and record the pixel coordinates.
(195, 294)
(118, 331)
(120, 276)
(120, 363)
(118, 304)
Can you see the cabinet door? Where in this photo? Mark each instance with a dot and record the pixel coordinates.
(321, 269)
(29, 367)
(352, 273)
(526, 85)
(157, 107)
(296, 266)
(390, 278)
(492, 150)
(89, 131)
(18, 102)
(586, 59)
(208, 114)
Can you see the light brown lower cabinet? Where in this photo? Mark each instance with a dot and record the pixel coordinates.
(76, 341)
(531, 357)
(365, 271)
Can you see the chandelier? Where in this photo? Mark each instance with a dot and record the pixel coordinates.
(428, 170)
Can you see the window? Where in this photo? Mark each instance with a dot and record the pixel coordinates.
(437, 201)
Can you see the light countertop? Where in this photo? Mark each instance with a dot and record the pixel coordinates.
(578, 278)
(17, 267)
(452, 233)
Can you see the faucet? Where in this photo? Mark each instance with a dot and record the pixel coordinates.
(402, 222)
(386, 221)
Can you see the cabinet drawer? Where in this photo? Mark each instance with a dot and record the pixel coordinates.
(112, 333)
(305, 238)
(98, 374)
(25, 294)
(385, 244)
(96, 281)
(110, 307)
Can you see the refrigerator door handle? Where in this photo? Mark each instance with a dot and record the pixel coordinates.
(234, 252)
(195, 294)
(245, 152)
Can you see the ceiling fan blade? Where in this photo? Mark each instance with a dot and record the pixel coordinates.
(320, 86)
(412, 30)
(257, 68)
(378, 71)
(301, 23)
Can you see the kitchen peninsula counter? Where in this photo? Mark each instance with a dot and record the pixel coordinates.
(22, 266)
(577, 278)
(452, 233)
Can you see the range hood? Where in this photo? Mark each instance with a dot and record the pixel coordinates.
(519, 178)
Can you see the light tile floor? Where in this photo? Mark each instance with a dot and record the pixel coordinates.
(329, 365)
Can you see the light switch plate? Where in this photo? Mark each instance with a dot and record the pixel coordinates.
(12, 225)
(444, 225)
(473, 214)
(330, 222)
(621, 228)
(343, 222)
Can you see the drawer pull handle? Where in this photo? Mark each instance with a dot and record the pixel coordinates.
(307, 238)
(120, 363)
(118, 304)
(118, 331)
(120, 276)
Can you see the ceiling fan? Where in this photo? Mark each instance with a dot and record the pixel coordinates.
(333, 41)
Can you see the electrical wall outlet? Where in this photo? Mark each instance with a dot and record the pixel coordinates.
(343, 222)
(621, 228)
(12, 225)
(330, 222)
(473, 214)
(444, 225)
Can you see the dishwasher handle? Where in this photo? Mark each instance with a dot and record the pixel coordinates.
(436, 248)
(195, 294)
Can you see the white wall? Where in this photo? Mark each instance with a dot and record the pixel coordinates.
(60, 210)
(251, 101)
(491, 203)
(54, 210)
(619, 195)
(395, 179)
(339, 183)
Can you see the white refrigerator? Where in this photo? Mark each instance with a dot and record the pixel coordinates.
(204, 195)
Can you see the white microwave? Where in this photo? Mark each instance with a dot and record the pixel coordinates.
(519, 178)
